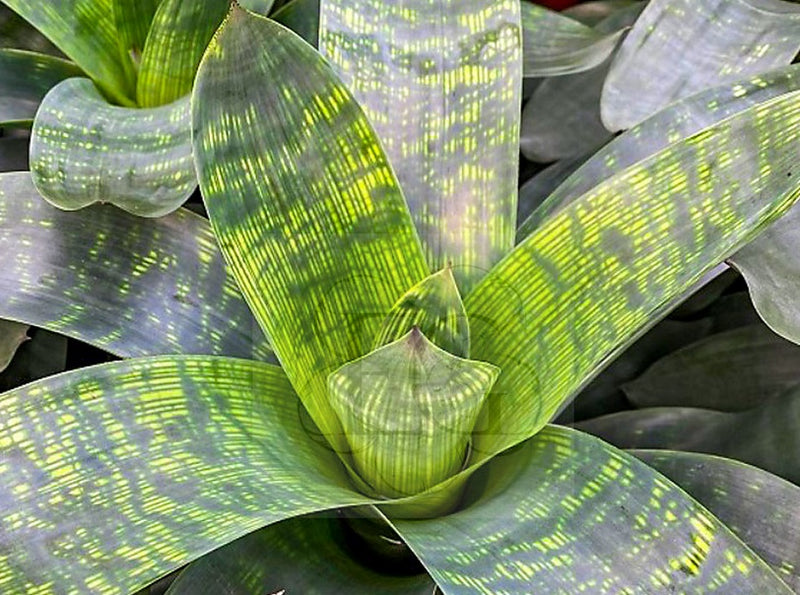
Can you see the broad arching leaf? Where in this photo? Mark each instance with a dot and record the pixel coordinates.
(178, 37)
(303, 202)
(556, 45)
(302, 555)
(115, 475)
(566, 513)
(535, 191)
(25, 78)
(302, 17)
(674, 123)
(592, 12)
(84, 151)
(85, 31)
(731, 371)
(600, 271)
(439, 80)
(771, 266)
(761, 508)
(127, 285)
(679, 47)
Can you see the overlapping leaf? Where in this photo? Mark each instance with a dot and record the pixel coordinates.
(593, 12)
(731, 371)
(129, 286)
(85, 31)
(178, 36)
(535, 191)
(676, 122)
(115, 475)
(302, 200)
(305, 555)
(566, 513)
(562, 118)
(302, 17)
(12, 335)
(602, 269)
(558, 45)
(43, 355)
(25, 78)
(679, 47)
(132, 19)
(771, 266)
(84, 151)
(758, 506)
(440, 83)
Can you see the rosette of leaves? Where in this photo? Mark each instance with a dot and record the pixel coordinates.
(365, 206)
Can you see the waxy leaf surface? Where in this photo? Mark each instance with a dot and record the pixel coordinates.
(761, 508)
(84, 151)
(566, 513)
(440, 82)
(679, 47)
(127, 285)
(85, 31)
(303, 202)
(115, 475)
(603, 269)
(178, 37)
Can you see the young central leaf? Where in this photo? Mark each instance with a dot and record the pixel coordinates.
(408, 410)
(434, 306)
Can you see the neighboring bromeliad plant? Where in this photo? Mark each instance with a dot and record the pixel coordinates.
(370, 226)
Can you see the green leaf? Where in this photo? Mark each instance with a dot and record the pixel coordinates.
(132, 19)
(679, 47)
(262, 7)
(731, 371)
(302, 17)
(555, 45)
(566, 513)
(115, 475)
(562, 118)
(129, 286)
(85, 31)
(305, 555)
(674, 123)
(303, 202)
(433, 306)
(443, 93)
(771, 266)
(603, 269)
(759, 507)
(12, 335)
(407, 410)
(535, 190)
(604, 391)
(765, 436)
(84, 151)
(26, 78)
(178, 37)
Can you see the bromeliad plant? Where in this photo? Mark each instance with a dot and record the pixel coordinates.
(428, 350)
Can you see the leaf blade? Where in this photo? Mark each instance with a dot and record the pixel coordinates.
(447, 112)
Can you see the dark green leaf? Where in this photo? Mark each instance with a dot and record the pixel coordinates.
(115, 475)
(679, 47)
(25, 78)
(84, 151)
(603, 269)
(127, 285)
(302, 17)
(566, 513)
(308, 556)
(132, 19)
(762, 509)
(85, 31)
(731, 371)
(441, 87)
(302, 200)
(178, 37)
